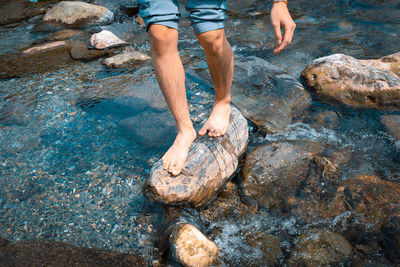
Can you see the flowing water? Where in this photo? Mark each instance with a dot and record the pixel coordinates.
(71, 170)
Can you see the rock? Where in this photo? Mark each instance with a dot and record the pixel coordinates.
(191, 248)
(390, 239)
(50, 253)
(19, 10)
(40, 58)
(319, 247)
(78, 14)
(268, 245)
(327, 119)
(44, 47)
(273, 172)
(375, 199)
(210, 163)
(79, 51)
(267, 95)
(67, 34)
(105, 39)
(392, 124)
(228, 204)
(126, 58)
(139, 20)
(373, 83)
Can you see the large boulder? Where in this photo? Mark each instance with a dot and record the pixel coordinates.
(191, 247)
(77, 14)
(319, 247)
(273, 172)
(266, 94)
(361, 83)
(210, 164)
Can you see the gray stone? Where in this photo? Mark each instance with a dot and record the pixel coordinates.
(392, 124)
(373, 83)
(76, 14)
(266, 94)
(127, 58)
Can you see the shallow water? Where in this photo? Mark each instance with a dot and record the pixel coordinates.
(71, 170)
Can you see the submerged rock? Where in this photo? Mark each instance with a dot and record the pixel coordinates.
(50, 253)
(390, 239)
(392, 124)
(266, 94)
(191, 248)
(360, 83)
(210, 163)
(76, 14)
(44, 47)
(105, 39)
(273, 172)
(125, 59)
(320, 247)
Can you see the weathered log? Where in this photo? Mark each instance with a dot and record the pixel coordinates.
(210, 164)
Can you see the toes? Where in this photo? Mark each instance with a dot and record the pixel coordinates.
(203, 130)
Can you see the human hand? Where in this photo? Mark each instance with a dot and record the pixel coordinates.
(280, 18)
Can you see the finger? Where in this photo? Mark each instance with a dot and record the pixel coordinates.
(278, 33)
(287, 38)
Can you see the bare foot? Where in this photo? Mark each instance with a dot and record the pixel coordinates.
(175, 158)
(218, 122)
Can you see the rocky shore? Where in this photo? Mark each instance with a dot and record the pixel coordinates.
(307, 174)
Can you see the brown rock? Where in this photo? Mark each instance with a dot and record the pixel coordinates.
(126, 58)
(320, 248)
(266, 94)
(191, 248)
(267, 244)
(76, 14)
(327, 119)
(105, 39)
(139, 20)
(392, 124)
(50, 253)
(210, 163)
(66, 34)
(360, 83)
(273, 172)
(19, 10)
(227, 204)
(390, 238)
(79, 51)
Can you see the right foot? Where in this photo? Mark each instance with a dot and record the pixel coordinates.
(175, 158)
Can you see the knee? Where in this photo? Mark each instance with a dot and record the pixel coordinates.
(162, 39)
(213, 42)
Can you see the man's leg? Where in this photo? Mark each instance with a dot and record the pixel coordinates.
(171, 78)
(220, 63)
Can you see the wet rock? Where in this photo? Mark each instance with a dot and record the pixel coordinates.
(151, 129)
(50, 253)
(79, 51)
(191, 248)
(105, 39)
(268, 247)
(43, 47)
(267, 95)
(40, 58)
(327, 119)
(392, 124)
(229, 203)
(375, 199)
(210, 163)
(77, 14)
(127, 58)
(390, 239)
(67, 34)
(19, 10)
(320, 247)
(273, 172)
(361, 83)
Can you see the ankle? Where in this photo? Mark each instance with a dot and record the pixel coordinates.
(222, 100)
(189, 130)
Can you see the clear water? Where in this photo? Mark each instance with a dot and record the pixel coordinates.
(72, 171)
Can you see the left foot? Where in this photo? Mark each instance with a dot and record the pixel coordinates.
(218, 122)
